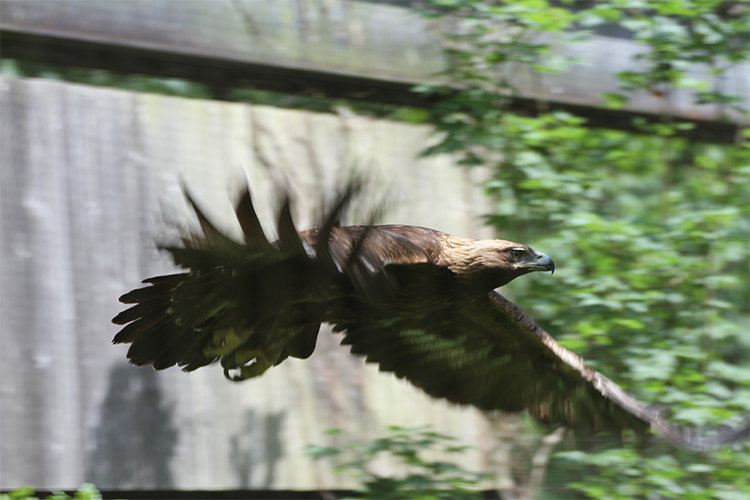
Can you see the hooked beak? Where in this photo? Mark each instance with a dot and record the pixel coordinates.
(543, 262)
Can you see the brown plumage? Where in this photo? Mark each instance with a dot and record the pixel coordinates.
(418, 302)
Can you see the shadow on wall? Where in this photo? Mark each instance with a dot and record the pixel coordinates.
(258, 445)
(135, 439)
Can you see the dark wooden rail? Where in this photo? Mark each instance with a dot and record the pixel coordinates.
(366, 51)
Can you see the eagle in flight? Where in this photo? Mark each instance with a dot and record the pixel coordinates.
(418, 302)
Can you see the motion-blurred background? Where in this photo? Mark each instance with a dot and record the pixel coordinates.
(608, 134)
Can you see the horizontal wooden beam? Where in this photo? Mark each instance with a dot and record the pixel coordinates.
(111, 35)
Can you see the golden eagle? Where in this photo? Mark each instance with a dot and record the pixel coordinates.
(418, 302)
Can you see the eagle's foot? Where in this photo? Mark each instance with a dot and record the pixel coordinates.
(224, 342)
(247, 364)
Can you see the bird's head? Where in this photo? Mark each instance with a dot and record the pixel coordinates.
(490, 264)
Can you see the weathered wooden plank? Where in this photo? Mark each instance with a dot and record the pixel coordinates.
(360, 38)
(319, 48)
(85, 173)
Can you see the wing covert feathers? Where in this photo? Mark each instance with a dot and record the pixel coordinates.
(399, 296)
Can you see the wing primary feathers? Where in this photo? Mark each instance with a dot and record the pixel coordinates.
(356, 251)
(135, 312)
(359, 242)
(250, 224)
(684, 438)
(208, 229)
(289, 240)
(323, 247)
(167, 278)
(139, 328)
(627, 405)
(141, 295)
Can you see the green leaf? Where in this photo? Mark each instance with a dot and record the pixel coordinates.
(614, 101)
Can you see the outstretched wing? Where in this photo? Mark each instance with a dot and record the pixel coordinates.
(248, 304)
(485, 352)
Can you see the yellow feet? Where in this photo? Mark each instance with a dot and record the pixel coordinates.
(224, 342)
(254, 363)
(239, 364)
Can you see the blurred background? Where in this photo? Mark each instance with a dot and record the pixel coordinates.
(608, 134)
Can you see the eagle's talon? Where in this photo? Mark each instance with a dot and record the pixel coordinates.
(224, 341)
(255, 364)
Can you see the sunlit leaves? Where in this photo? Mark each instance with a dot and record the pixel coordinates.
(412, 451)
(626, 474)
(650, 232)
(87, 491)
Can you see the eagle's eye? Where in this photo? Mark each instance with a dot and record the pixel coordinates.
(517, 253)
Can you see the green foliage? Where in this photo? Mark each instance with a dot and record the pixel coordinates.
(104, 78)
(650, 232)
(87, 491)
(625, 474)
(677, 35)
(420, 477)
(190, 89)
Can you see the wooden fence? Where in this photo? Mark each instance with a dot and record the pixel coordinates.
(376, 51)
(86, 177)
